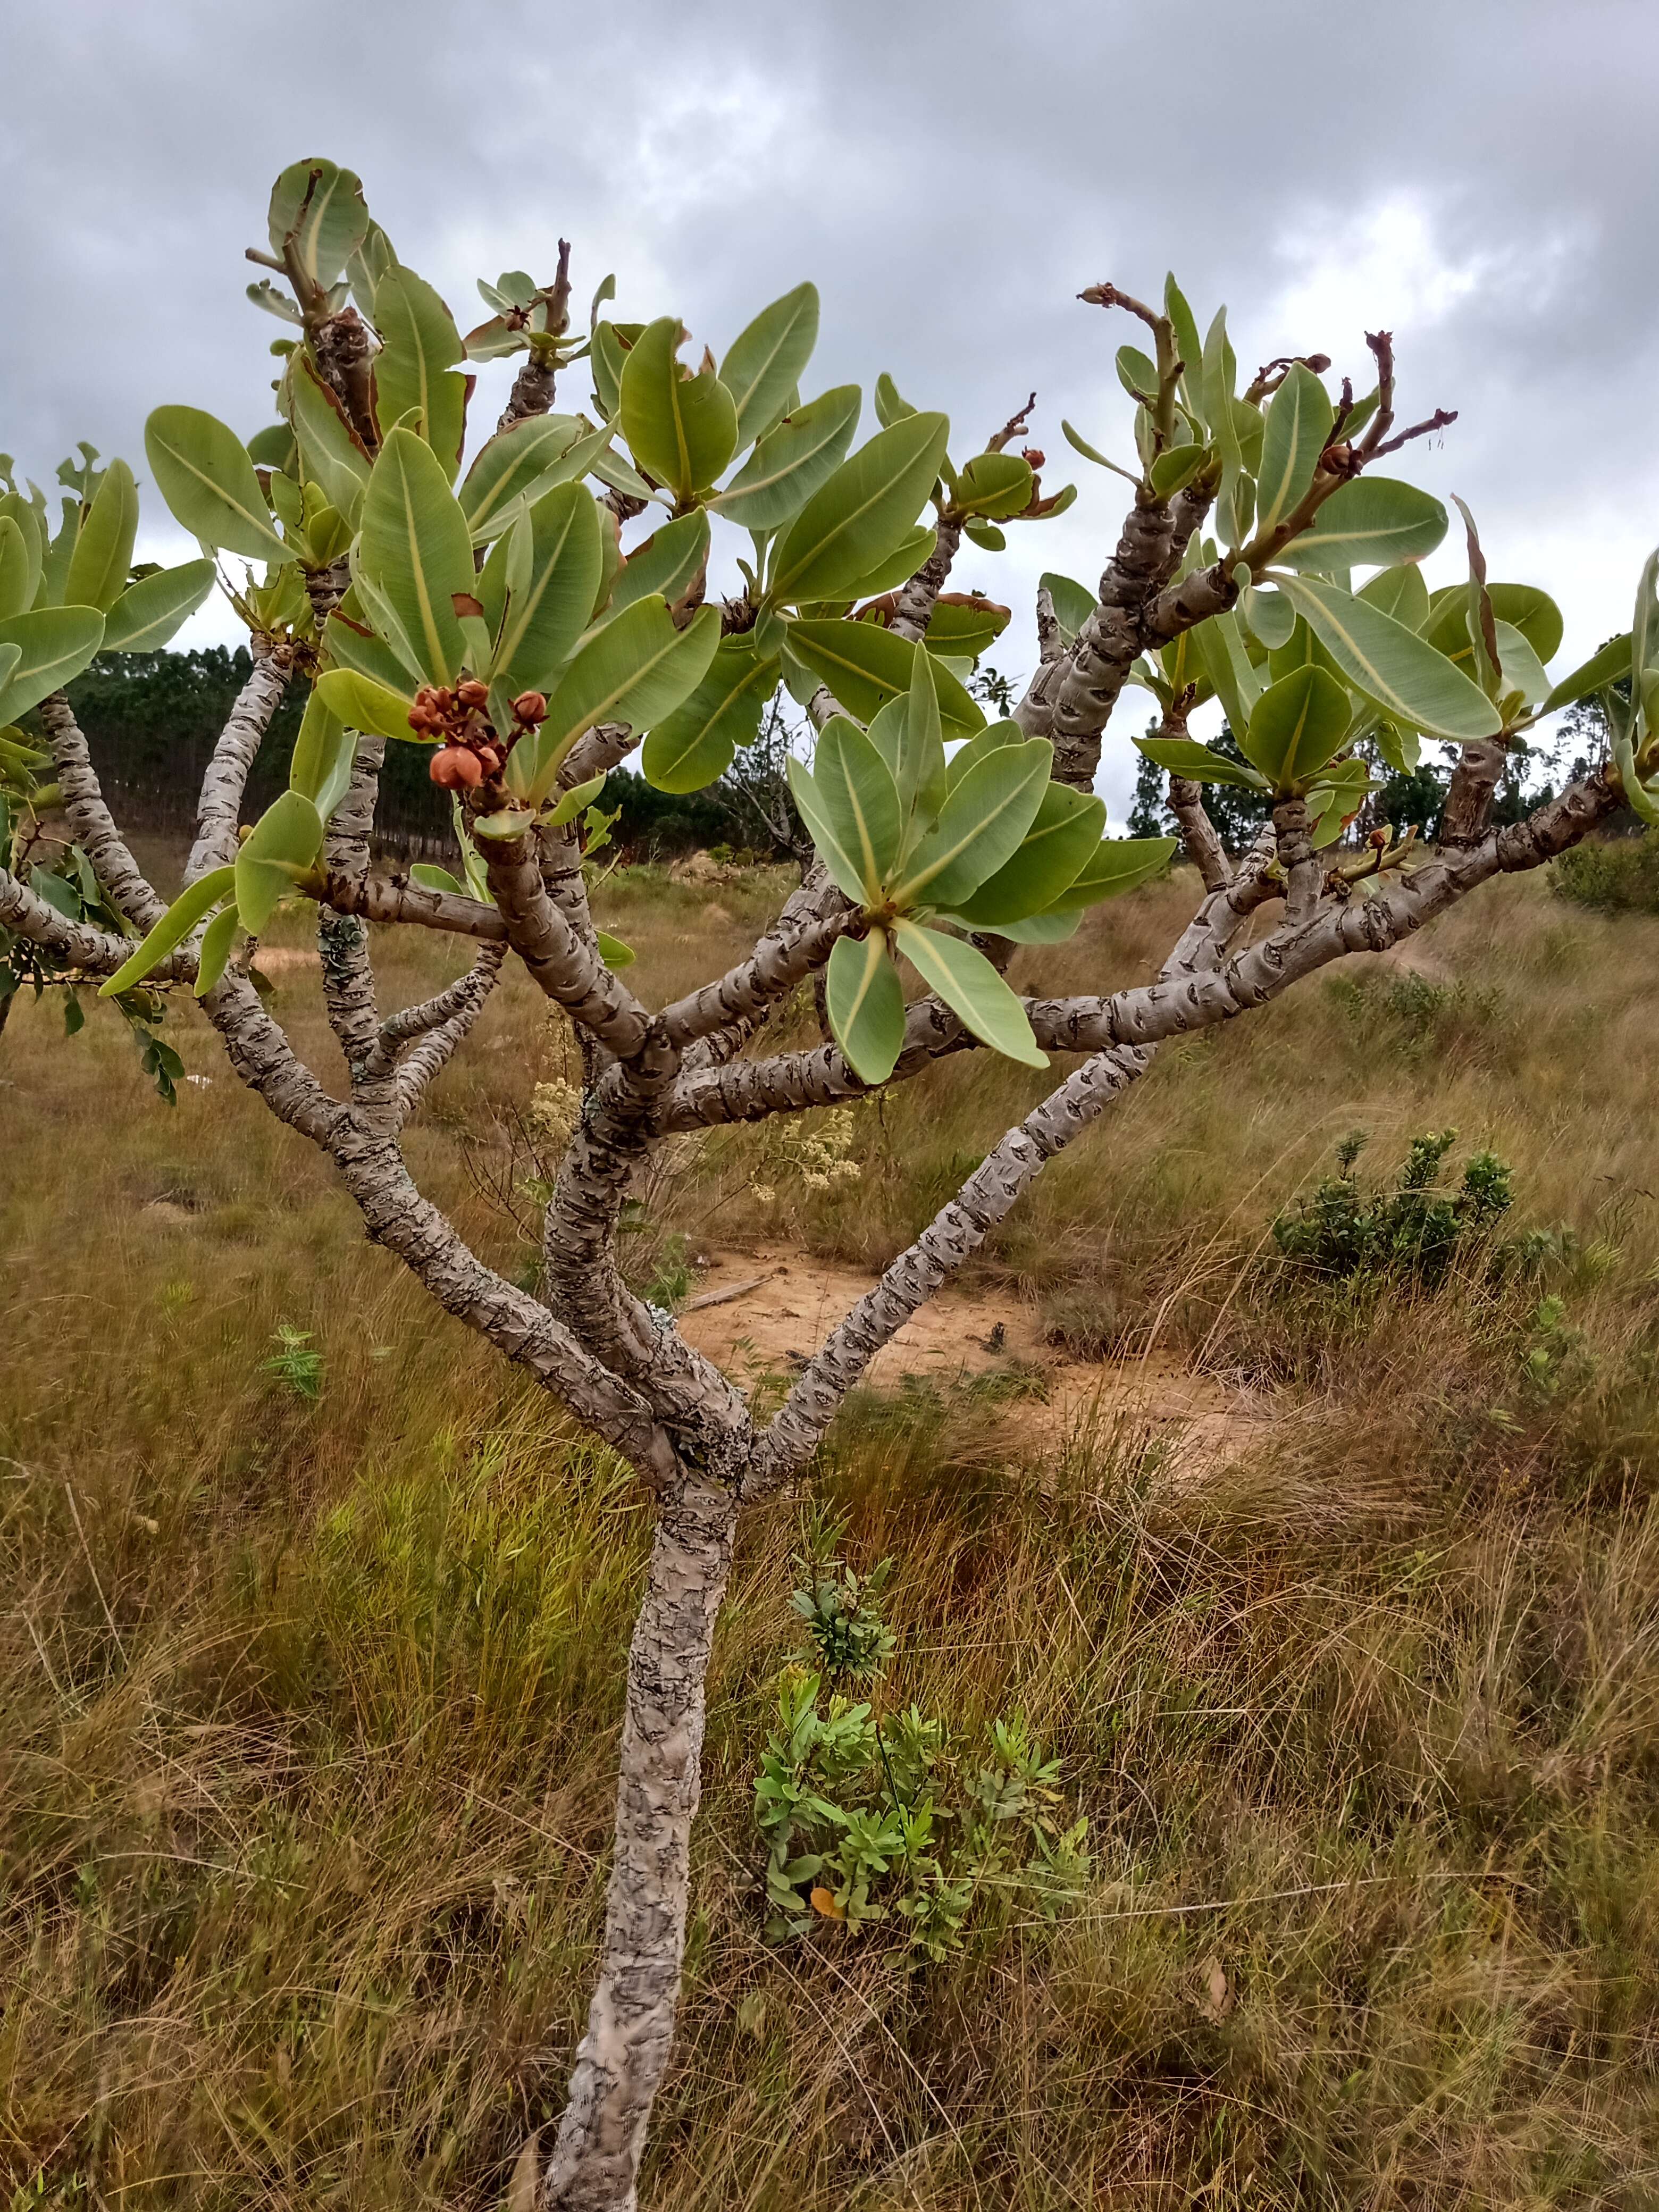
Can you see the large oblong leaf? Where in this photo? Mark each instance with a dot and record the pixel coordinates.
(981, 826)
(668, 564)
(99, 566)
(202, 471)
(866, 666)
(171, 931)
(1187, 757)
(865, 1001)
(1298, 421)
(1370, 523)
(18, 592)
(282, 845)
(682, 429)
(415, 550)
(792, 461)
(821, 828)
(1055, 851)
(972, 988)
(319, 206)
(697, 743)
(540, 616)
(1609, 664)
(1296, 726)
(415, 366)
(359, 700)
(18, 574)
(1390, 664)
(55, 644)
(636, 669)
(1118, 865)
(856, 518)
(520, 462)
(149, 613)
(332, 454)
(856, 790)
(764, 364)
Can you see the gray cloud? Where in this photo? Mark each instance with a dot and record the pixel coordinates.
(1480, 175)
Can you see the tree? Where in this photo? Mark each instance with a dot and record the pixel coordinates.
(499, 621)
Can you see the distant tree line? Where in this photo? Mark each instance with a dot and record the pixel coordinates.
(151, 719)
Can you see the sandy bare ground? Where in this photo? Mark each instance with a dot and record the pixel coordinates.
(788, 1304)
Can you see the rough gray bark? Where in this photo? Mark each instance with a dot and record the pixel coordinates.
(239, 742)
(91, 820)
(630, 2022)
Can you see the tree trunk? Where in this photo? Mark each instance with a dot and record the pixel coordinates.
(630, 2023)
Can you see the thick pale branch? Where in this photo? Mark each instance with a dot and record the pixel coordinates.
(234, 752)
(379, 898)
(914, 609)
(91, 821)
(94, 952)
(568, 971)
(783, 958)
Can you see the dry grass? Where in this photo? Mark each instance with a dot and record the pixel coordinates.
(307, 1710)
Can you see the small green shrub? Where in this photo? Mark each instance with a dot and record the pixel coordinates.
(294, 1363)
(1614, 875)
(1410, 1230)
(895, 1818)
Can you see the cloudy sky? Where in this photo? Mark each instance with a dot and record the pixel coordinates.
(1481, 176)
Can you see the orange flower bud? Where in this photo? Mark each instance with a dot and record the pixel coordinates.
(530, 706)
(472, 693)
(444, 769)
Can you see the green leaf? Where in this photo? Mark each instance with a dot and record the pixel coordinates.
(697, 743)
(508, 822)
(1173, 471)
(416, 368)
(865, 1005)
(1268, 617)
(321, 206)
(1390, 664)
(149, 613)
(213, 956)
(430, 877)
(559, 547)
(1609, 664)
(866, 666)
(1118, 865)
(1055, 851)
(346, 646)
(821, 828)
(282, 846)
(792, 462)
(274, 448)
(890, 407)
(1297, 423)
(30, 528)
(325, 753)
(99, 566)
(332, 454)
(1523, 671)
(363, 704)
(606, 356)
(973, 990)
(171, 931)
(865, 509)
(1645, 622)
(18, 574)
(415, 550)
(1531, 612)
(963, 628)
(1051, 928)
(981, 826)
(668, 564)
(766, 360)
(56, 643)
(1186, 757)
(1073, 603)
(856, 791)
(1296, 726)
(1371, 523)
(901, 564)
(908, 734)
(993, 485)
(1218, 648)
(1189, 347)
(1400, 592)
(515, 467)
(636, 669)
(1641, 802)
(574, 801)
(612, 950)
(682, 429)
(201, 470)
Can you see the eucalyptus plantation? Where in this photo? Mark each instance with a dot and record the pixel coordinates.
(537, 617)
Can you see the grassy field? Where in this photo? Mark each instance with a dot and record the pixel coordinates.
(308, 1702)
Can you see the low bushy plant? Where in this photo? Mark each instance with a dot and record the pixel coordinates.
(1410, 1230)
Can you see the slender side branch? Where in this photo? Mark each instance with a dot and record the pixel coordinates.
(914, 609)
(95, 952)
(1204, 847)
(783, 958)
(379, 898)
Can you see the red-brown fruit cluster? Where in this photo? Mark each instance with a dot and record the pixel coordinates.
(1033, 456)
(468, 748)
